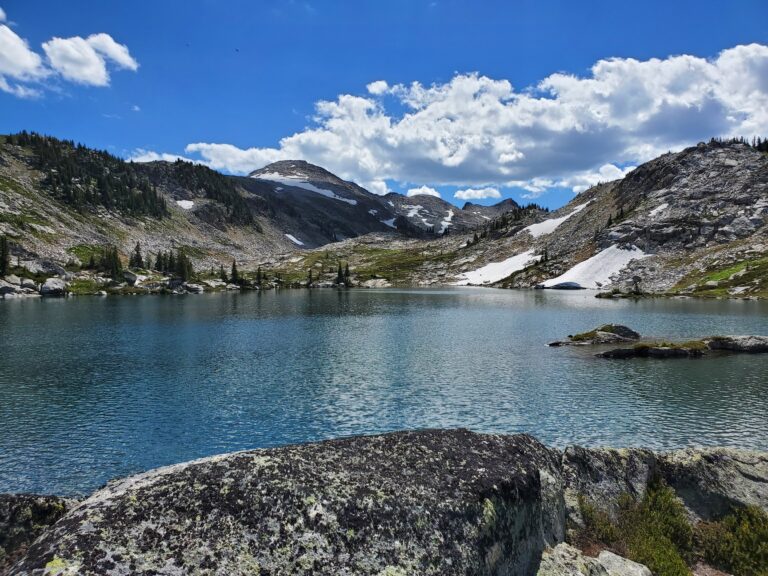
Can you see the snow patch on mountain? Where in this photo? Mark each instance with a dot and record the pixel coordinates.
(298, 180)
(390, 222)
(185, 204)
(549, 226)
(446, 221)
(295, 240)
(498, 270)
(597, 270)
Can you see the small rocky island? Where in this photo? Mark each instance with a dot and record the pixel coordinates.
(618, 334)
(432, 502)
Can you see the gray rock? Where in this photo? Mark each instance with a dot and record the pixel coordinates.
(23, 517)
(7, 288)
(13, 279)
(29, 283)
(601, 476)
(565, 560)
(616, 565)
(54, 287)
(428, 502)
(711, 481)
(194, 288)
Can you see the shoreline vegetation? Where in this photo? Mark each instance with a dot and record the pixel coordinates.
(414, 502)
(104, 271)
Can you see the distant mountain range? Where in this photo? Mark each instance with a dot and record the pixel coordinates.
(693, 221)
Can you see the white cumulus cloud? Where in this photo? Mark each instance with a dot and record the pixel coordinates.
(477, 193)
(568, 130)
(23, 72)
(423, 191)
(378, 87)
(84, 60)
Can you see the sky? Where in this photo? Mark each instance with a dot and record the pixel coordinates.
(472, 101)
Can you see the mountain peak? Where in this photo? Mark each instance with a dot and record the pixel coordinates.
(296, 169)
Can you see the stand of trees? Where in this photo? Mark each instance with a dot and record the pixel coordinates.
(81, 177)
(178, 264)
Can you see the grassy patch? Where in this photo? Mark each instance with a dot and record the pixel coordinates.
(753, 275)
(655, 531)
(83, 252)
(737, 543)
(12, 185)
(82, 286)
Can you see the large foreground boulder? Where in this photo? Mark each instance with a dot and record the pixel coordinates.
(429, 502)
(54, 287)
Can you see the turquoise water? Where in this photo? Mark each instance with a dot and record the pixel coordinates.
(94, 388)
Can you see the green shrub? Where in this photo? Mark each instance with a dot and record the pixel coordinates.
(737, 543)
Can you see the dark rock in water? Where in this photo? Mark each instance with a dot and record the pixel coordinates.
(430, 502)
(605, 334)
(23, 517)
(643, 351)
(565, 286)
(749, 344)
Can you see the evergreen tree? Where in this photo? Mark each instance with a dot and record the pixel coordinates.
(111, 264)
(258, 276)
(148, 262)
(170, 263)
(309, 278)
(5, 256)
(222, 274)
(234, 276)
(475, 239)
(610, 221)
(91, 262)
(340, 275)
(183, 266)
(136, 260)
(346, 273)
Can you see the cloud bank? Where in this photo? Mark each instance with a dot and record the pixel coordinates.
(423, 191)
(568, 130)
(25, 73)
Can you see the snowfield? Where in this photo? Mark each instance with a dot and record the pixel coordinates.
(390, 223)
(296, 180)
(497, 270)
(186, 204)
(597, 271)
(549, 226)
(446, 222)
(295, 240)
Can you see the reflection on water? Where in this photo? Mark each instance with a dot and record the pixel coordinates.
(95, 388)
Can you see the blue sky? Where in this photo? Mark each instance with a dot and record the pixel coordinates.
(233, 78)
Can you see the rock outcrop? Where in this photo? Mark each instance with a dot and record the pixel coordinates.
(432, 502)
(23, 518)
(428, 502)
(605, 334)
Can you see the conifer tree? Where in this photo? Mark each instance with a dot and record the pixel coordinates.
(258, 276)
(136, 260)
(222, 274)
(340, 275)
(5, 256)
(309, 278)
(234, 276)
(346, 273)
(170, 263)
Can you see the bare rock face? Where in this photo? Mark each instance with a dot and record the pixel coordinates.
(750, 344)
(711, 481)
(565, 560)
(23, 517)
(430, 502)
(602, 475)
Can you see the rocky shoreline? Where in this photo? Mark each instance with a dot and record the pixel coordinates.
(423, 502)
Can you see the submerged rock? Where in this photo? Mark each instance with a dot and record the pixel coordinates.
(691, 349)
(430, 502)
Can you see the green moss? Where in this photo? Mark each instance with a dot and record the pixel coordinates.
(737, 543)
(83, 252)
